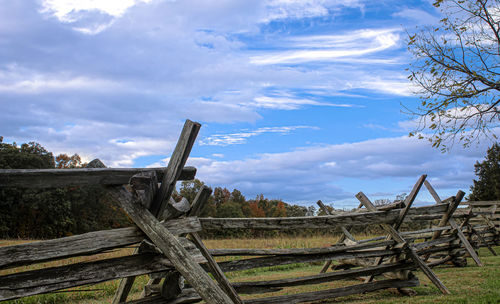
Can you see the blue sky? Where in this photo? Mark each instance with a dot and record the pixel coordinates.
(298, 100)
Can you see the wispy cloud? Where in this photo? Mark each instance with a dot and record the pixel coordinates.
(299, 9)
(242, 136)
(417, 15)
(284, 103)
(16, 79)
(332, 47)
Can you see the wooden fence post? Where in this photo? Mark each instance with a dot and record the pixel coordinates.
(407, 248)
(162, 196)
(345, 234)
(454, 225)
(200, 199)
(397, 224)
(171, 248)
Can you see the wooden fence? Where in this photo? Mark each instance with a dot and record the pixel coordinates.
(170, 250)
(489, 210)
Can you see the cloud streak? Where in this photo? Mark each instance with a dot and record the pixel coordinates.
(331, 48)
(242, 136)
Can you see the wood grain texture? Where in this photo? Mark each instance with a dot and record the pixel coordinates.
(216, 270)
(335, 293)
(174, 168)
(463, 239)
(188, 295)
(53, 178)
(344, 230)
(56, 278)
(266, 286)
(85, 244)
(410, 251)
(200, 200)
(171, 248)
(251, 263)
(318, 222)
(297, 251)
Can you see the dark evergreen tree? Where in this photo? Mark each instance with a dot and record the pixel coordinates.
(487, 187)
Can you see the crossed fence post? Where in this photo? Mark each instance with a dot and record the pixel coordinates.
(448, 219)
(401, 242)
(146, 214)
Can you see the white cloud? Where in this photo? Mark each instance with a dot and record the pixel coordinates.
(395, 86)
(283, 103)
(242, 136)
(88, 16)
(65, 10)
(322, 172)
(332, 47)
(300, 9)
(417, 15)
(16, 79)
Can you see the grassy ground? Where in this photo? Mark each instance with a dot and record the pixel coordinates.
(469, 284)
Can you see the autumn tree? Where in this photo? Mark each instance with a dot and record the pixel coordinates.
(255, 210)
(63, 161)
(456, 73)
(487, 186)
(279, 210)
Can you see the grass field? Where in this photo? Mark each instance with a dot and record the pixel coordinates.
(469, 284)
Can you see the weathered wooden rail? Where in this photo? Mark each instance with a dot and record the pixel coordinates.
(169, 249)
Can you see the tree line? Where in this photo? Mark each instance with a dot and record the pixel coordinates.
(51, 213)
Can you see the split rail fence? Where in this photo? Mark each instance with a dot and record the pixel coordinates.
(170, 250)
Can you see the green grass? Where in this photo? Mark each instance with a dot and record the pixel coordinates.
(469, 284)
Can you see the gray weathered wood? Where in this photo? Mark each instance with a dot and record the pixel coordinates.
(145, 186)
(481, 203)
(215, 269)
(251, 263)
(297, 251)
(188, 295)
(56, 278)
(409, 201)
(171, 247)
(410, 251)
(465, 242)
(176, 209)
(432, 192)
(85, 244)
(458, 229)
(449, 212)
(264, 286)
(53, 178)
(345, 234)
(200, 200)
(196, 208)
(198, 204)
(335, 293)
(401, 216)
(318, 222)
(175, 164)
(482, 240)
(344, 230)
(452, 207)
